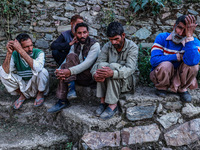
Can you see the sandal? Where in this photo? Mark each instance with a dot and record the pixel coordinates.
(18, 103)
(38, 102)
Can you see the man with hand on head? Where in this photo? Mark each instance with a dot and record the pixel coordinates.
(113, 70)
(76, 67)
(63, 43)
(174, 59)
(23, 71)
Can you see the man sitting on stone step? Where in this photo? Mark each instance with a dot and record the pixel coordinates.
(174, 59)
(61, 46)
(23, 71)
(113, 70)
(76, 67)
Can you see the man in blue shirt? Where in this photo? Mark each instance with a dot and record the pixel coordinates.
(63, 43)
(174, 59)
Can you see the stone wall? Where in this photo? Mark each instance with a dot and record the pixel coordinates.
(46, 19)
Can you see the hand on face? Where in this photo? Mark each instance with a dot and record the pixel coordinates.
(73, 41)
(190, 25)
(16, 45)
(9, 47)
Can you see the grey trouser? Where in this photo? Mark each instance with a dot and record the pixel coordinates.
(112, 88)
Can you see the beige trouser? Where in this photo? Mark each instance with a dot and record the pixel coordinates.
(29, 88)
(164, 76)
(111, 88)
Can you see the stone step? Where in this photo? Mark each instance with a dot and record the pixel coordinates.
(142, 110)
(17, 136)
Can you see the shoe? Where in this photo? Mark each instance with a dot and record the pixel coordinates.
(108, 113)
(71, 90)
(18, 103)
(59, 106)
(185, 97)
(100, 109)
(161, 93)
(71, 94)
(38, 102)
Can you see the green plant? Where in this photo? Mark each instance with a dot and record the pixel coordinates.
(144, 65)
(10, 9)
(151, 5)
(108, 14)
(69, 146)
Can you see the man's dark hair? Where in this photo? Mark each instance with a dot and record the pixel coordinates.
(22, 37)
(114, 28)
(75, 17)
(81, 25)
(181, 19)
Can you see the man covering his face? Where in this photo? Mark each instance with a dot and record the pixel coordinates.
(174, 59)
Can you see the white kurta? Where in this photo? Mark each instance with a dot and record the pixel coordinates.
(30, 88)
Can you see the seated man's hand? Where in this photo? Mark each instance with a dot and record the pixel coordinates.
(97, 78)
(105, 72)
(190, 25)
(17, 46)
(9, 48)
(62, 74)
(73, 41)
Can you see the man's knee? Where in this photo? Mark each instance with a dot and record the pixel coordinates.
(103, 64)
(72, 56)
(114, 66)
(165, 67)
(43, 72)
(192, 69)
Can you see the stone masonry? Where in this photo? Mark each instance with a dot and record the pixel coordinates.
(145, 120)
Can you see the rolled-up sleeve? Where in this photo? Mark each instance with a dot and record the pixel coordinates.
(89, 61)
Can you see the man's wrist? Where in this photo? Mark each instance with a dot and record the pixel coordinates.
(188, 39)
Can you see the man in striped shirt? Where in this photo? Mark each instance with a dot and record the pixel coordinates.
(23, 72)
(174, 59)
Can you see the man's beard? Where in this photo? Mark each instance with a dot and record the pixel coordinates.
(177, 39)
(82, 40)
(117, 46)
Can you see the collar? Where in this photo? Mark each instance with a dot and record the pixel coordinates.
(188, 39)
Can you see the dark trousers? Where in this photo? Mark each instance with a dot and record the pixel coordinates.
(59, 56)
(84, 78)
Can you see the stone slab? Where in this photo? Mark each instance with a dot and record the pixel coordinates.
(140, 134)
(185, 134)
(140, 112)
(98, 140)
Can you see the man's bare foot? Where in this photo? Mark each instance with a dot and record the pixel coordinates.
(39, 99)
(18, 103)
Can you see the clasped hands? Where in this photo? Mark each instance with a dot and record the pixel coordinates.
(62, 74)
(102, 74)
(190, 25)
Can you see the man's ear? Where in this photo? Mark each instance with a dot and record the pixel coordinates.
(174, 26)
(123, 35)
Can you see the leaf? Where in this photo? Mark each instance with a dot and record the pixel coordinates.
(144, 2)
(137, 8)
(133, 4)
